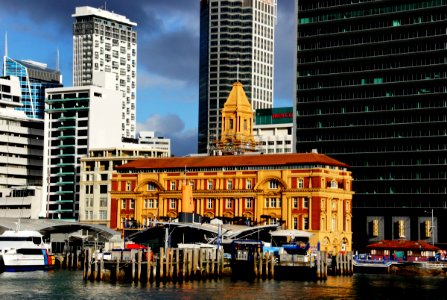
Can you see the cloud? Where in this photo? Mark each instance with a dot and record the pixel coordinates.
(148, 80)
(183, 141)
(173, 55)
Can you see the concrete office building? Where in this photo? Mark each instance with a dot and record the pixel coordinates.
(371, 92)
(104, 41)
(236, 44)
(161, 146)
(273, 130)
(34, 78)
(76, 119)
(21, 152)
(96, 174)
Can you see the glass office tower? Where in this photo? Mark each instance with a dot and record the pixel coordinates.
(34, 78)
(371, 91)
(236, 44)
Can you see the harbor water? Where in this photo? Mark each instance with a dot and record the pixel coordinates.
(64, 284)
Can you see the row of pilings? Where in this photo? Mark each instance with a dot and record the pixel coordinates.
(175, 265)
(178, 265)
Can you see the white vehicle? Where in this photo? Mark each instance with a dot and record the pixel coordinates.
(24, 251)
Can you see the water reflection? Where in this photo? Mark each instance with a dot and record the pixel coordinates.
(62, 284)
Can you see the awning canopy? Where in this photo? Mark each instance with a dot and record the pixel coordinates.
(291, 233)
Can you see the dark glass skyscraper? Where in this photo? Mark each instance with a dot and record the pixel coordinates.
(372, 93)
(236, 44)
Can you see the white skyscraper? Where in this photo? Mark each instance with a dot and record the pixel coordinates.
(104, 41)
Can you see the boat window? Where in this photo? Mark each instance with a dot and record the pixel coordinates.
(30, 251)
(37, 240)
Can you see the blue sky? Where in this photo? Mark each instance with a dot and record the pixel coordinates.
(168, 55)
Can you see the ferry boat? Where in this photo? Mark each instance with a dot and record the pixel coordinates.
(24, 250)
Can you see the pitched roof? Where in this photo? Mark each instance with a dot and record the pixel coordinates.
(403, 245)
(237, 98)
(233, 161)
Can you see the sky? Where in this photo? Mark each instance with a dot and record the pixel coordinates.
(167, 61)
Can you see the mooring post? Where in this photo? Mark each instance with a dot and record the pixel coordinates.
(139, 257)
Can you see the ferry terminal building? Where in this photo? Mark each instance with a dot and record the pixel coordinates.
(307, 191)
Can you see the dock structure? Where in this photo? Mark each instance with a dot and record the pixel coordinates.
(170, 265)
(188, 264)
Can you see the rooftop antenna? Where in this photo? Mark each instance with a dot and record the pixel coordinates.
(237, 70)
(105, 5)
(6, 44)
(6, 54)
(57, 59)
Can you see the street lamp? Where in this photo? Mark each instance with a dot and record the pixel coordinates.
(431, 227)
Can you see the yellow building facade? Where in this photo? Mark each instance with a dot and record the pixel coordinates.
(309, 192)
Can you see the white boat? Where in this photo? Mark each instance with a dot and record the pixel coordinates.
(23, 250)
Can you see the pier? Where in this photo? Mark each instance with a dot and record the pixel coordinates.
(172, 265)
(178, 265)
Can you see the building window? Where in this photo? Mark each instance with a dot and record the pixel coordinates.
(305, 202)
(272, 202)
(401, 228)
(248, 184)
(295, 223)
(152, 203)
(103, 189)
(102, 202)
(89, 189)
(103, 214)
(209, 204)
(334, 223)
(295, 202)
(334, 184)
(266, 203)
(306, 223)
(334, 204)
(172, 185)
(210, 184)
(172, 204)
(151, 186)
(128, 186)
(231, 123)
(191, 183)
(300, 183)
(375, 227)
(132, 204)
(248, 202)
(427, 227)
(273, 184)
(229, 203)
(123, 204)
(229, 184)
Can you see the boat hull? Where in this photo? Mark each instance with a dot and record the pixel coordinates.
(25, 263)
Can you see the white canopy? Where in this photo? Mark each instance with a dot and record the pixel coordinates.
(291, 233)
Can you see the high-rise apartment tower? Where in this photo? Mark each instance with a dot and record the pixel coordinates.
(371, 92)
(236, 44)
(104, 41)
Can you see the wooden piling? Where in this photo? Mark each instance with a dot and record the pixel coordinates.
(139, 257)
(117, 268)
(101, 268)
